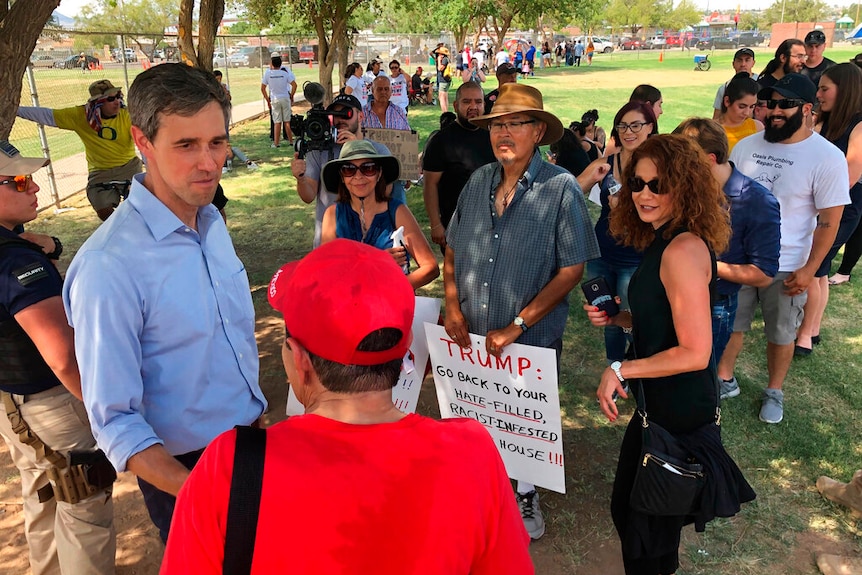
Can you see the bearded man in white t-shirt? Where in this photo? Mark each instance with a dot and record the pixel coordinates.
(808, 175)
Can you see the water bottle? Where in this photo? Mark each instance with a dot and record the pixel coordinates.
(229, 164)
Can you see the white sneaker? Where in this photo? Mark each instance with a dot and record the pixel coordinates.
(531, 513)
(251, 165)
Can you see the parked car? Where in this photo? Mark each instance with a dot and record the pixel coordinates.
(73, 62)
(627, 43)
(743, 39)
(855, 40)
(656, 43)
(292, 51)
(716, 42)
(750, 39)
(42, 60)
(601, 44)
(673, 41)
(252, 56)
(220, 60)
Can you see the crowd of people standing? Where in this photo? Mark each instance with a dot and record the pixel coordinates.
(694, 234)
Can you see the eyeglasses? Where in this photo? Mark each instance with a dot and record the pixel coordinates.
(637, 185)
(509, 126)
(635, 127)
(393, 67)
(22, 183)
(802, 57)
(112, 98)
(367, 169)
(784, 104)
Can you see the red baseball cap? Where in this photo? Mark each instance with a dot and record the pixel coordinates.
(340, 293)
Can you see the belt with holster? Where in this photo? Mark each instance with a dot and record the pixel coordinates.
(71, 480)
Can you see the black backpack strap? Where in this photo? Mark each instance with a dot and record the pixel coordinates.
(244, 504)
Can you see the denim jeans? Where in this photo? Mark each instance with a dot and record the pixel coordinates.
(160, 505)
(618, 278)
(723, 314)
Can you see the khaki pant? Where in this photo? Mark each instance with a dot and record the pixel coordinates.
(63, 538)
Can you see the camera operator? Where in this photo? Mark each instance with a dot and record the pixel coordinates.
(307, 171)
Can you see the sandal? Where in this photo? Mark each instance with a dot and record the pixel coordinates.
(838, 279)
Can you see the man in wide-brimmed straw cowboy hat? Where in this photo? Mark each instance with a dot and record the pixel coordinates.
(510, 264)
(104, 126)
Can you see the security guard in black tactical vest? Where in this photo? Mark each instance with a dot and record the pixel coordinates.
(66, 481)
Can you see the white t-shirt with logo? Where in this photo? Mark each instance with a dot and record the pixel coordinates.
(279, 82)
(399, 96)
(805, 177)
(357, 84)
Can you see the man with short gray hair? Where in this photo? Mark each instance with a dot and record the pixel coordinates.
(160, 303)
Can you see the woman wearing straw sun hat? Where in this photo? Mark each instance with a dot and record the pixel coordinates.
(365, 214)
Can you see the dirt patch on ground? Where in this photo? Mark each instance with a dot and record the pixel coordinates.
(581, 515)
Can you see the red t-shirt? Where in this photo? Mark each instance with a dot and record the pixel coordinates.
(418, 496)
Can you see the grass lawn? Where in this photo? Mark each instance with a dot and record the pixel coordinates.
(823, 410)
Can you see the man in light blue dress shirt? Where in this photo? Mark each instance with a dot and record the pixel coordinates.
(160, 303)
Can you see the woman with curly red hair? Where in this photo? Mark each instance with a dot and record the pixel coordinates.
(672, 209)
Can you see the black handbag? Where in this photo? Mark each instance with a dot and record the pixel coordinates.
(668, 481)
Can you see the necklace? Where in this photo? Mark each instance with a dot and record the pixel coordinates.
(362, 223)
(508, 195)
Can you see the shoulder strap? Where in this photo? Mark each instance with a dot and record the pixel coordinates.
(244, 504)
(20, 243)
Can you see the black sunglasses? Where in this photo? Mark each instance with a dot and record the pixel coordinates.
(112, 98)
(785, 104)
(637, 184)
(367, 169)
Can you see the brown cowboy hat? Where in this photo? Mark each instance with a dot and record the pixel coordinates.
(523, 99)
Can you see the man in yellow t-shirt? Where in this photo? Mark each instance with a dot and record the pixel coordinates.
(104, 126)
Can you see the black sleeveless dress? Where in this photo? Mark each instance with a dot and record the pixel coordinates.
(852, 214)
(684, 404)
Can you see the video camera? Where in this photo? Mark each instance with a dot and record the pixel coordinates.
(315, 131)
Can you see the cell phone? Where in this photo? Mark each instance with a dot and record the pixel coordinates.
(599, 294)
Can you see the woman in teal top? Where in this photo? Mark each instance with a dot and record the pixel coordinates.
(365, 213)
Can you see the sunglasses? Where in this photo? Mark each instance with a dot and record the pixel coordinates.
(393, 67)
(785, 104)
(368, 169)
(112, 98)
(637, 184)
(22, 183)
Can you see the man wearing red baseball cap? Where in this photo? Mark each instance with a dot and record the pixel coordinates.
(354, 486)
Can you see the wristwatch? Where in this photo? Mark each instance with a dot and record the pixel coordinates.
(519, 321)
(616, 367)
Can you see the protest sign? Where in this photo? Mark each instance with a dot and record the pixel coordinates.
(405, 395)
(514, 396)
(403, 144)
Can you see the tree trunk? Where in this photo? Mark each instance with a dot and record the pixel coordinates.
(20, 26)
(327, 54)
(211, 15)
(185, 31)
(343, 61)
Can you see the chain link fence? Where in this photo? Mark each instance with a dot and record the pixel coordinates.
(56, 79)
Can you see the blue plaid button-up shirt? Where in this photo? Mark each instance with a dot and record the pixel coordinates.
(503, 262)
